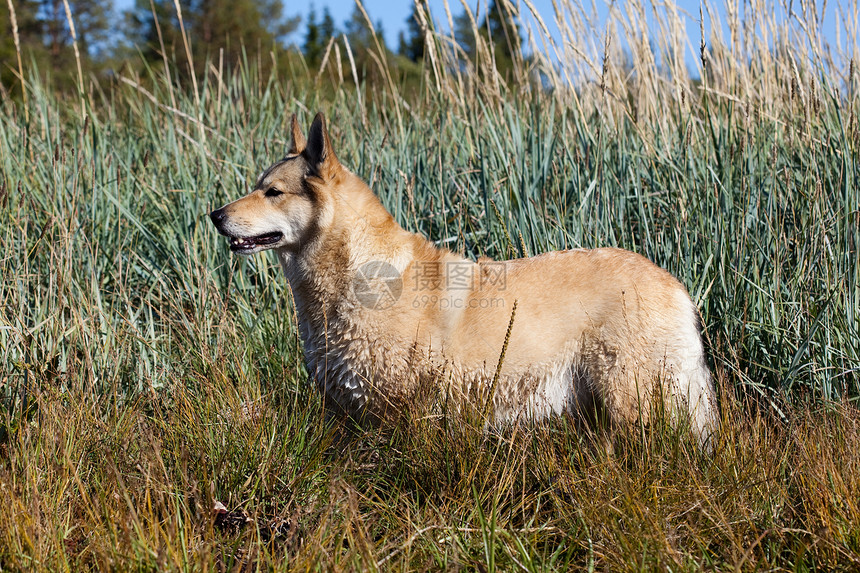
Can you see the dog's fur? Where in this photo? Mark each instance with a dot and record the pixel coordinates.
(601, 329)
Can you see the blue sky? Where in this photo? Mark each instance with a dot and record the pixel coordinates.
(393, 14)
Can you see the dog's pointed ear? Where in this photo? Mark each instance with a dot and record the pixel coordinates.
(318, 151)
(297, 138)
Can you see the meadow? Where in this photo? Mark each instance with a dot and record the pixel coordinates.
(154, 409)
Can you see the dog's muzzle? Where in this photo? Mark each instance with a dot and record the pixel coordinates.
(244, 245)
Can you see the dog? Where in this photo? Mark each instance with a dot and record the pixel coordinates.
(386, 316)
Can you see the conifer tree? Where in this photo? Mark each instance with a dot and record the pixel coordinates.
(238, 27)
(312, 47)
(327, 28)
(411, 44)
(45, 37)
(30, 38)
(498, 28)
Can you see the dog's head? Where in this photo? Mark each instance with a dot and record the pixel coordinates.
(284, 209)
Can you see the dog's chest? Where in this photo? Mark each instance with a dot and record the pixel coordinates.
(336, 367)
(361, 374)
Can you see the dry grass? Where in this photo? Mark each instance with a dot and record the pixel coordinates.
(92, 484)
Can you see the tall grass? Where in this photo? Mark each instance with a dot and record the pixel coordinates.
(146, 374)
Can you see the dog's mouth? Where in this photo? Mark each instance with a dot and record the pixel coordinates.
(249, 244)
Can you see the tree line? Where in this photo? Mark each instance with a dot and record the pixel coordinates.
(224, 33)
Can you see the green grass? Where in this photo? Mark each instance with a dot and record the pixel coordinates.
(145, 373)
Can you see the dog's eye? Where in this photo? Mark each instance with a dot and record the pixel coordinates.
(273, 192)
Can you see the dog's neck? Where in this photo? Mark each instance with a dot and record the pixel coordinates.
(355, 229)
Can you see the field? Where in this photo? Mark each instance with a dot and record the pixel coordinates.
(154, 409)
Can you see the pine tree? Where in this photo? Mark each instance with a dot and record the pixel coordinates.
(318, 36)
(504, 33)
(362, 40)
(238, 27)
(30, 38)
(498, 28)
(312, 47)
(45, 37)
(465, 35)
(145, 22)
(358, 32)
(91, 24)
(411, 44)
(327, 28)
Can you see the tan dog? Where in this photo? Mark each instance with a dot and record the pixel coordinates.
(385, 315)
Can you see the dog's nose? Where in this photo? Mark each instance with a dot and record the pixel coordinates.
(218, 216)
